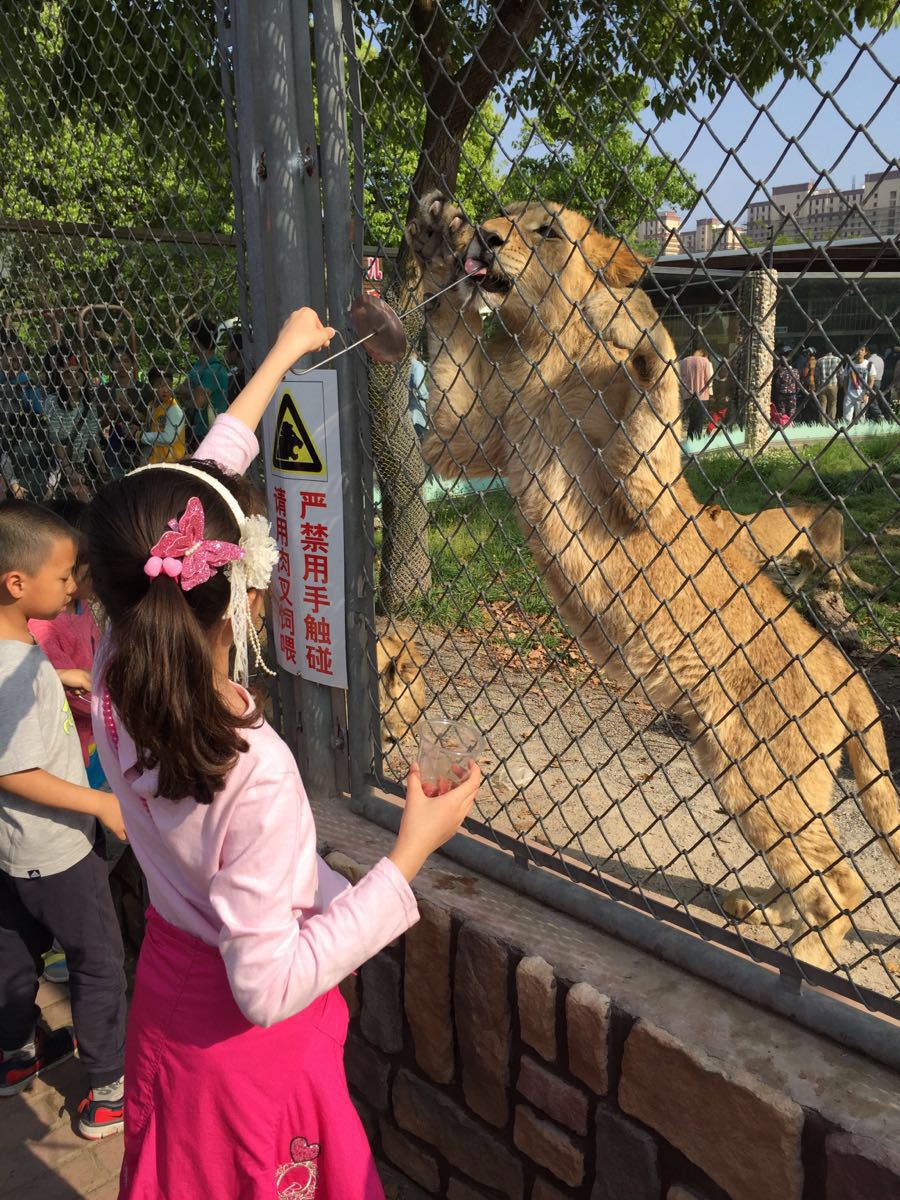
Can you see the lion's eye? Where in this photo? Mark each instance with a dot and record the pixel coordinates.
(548, 231)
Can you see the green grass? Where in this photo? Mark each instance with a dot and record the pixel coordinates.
(483, 573)
(855, 478)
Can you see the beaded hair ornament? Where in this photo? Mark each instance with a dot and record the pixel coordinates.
(183, 553)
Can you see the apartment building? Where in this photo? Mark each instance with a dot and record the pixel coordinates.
(806, 211)
(665, 231)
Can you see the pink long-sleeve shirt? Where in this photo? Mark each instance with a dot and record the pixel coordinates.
(71, 640)
(242, 872)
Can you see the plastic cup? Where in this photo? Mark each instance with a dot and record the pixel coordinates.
(445, 750)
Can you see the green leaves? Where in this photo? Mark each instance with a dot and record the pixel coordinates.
(597, 158)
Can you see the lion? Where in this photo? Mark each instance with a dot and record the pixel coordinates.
(401, 684)
(812, 535)
(550, 366)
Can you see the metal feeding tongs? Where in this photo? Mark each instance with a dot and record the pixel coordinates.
(379, 328)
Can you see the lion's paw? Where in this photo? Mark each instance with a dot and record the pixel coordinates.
(738, 906)
(438, 236)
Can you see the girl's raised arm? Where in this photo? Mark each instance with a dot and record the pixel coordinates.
(301, 334)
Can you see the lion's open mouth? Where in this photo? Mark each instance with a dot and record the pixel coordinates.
(488, 279)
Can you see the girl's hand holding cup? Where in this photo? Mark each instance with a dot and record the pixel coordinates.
(440, 791)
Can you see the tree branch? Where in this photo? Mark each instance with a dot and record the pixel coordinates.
(514, 27)
(433, 34)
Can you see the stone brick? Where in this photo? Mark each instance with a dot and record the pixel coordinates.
(548, 1146)
(398, 1187)
(426, 1112)
(462, 1191)
(627, 1159)
(411, 1160)
(859, 1168)
(543, 1190)
(426, 986)
(483, 1023)
(587, 1033)
(109, 1191)
(560, 1100)
(382, 1017)
(346, 866)
(367, 1071)
(742, 1133)
(350, 992)
(536, 989)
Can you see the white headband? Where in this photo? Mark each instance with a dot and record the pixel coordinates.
(236, 510)
(254, 570)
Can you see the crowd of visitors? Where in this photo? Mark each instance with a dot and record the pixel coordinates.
(68, 425)
(811, 388)
(807, 387)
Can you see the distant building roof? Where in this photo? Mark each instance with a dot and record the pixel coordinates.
(872, 254)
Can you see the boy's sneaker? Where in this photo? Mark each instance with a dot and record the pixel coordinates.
(102, 1111)
(55, 967)
(18, 1068)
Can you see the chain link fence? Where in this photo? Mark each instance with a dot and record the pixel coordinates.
(636, 488)
(632, 507)
(119, 296)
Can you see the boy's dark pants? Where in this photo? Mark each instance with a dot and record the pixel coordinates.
(75, 907)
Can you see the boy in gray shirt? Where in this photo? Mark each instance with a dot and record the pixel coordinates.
(53, 879)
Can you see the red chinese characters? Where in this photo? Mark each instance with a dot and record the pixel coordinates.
(315, 546)
(286, 620)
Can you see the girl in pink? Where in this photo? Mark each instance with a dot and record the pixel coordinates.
(70, 641)
(234, 1078)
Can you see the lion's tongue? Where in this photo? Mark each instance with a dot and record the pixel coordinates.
(474, 266)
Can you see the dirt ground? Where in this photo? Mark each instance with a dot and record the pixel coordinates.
(573, 764)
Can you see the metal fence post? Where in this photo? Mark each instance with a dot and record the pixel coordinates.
(282, 210)
(343, 279)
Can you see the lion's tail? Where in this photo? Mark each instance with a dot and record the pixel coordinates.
(869, 760)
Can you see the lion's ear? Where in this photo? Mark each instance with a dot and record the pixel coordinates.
(619, 265)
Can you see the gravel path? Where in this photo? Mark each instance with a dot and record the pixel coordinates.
(576, 765)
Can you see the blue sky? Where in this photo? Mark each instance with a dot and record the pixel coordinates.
(856, 133)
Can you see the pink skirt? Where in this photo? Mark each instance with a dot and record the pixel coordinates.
(217, 1107)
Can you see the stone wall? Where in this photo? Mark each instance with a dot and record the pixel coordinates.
(502, 1051)
(757, 299)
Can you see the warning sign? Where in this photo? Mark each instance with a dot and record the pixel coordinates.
(294, 451)
(306, 501)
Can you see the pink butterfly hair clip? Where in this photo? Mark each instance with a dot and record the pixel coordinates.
(184, 554)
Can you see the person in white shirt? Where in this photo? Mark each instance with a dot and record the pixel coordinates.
(859, 380)
(879, 408)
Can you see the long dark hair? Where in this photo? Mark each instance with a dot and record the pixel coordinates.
(158, 669)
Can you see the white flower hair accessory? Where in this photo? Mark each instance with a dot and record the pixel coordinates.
(252, 570)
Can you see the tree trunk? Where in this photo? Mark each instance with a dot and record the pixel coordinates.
(405, 560)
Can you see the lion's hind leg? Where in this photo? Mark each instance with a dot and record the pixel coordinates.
(817, 888)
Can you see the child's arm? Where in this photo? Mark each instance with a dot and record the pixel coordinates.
(301, 334)
(277, 966)
(40, 787)
(74, 678)
(231, 442)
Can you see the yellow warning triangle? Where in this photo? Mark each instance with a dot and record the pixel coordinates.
(294, 450)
